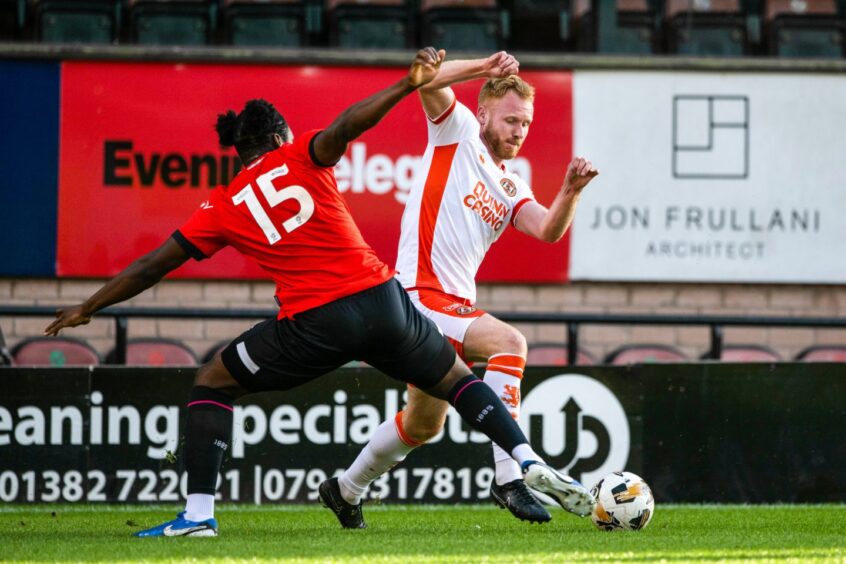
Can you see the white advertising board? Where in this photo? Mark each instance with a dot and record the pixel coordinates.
(711, 177)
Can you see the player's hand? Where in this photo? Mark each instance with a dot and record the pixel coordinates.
(70, 317)
(501, 64)
(425, 66)
(579, 174)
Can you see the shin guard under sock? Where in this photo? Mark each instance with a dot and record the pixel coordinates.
(480, 407)
(208, 434)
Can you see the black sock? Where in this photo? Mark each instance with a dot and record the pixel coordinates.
(479, 406)
(208, 434)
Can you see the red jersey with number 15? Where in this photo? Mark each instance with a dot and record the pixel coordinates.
(285, 211)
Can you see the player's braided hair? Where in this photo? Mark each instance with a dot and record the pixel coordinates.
(251, 131)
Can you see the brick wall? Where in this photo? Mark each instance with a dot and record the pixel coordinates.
(200, 336)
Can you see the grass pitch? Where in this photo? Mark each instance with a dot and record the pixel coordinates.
(424, 534)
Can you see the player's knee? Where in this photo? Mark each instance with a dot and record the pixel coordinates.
(423, 425)
(423, 431)
(214, 374)
(512, 341)
(206, 376)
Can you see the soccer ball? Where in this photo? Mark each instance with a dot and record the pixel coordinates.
(624, 502)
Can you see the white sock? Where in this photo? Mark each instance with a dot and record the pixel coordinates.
(199, 507)
(387, 447)
(503, 375)
(524, 453)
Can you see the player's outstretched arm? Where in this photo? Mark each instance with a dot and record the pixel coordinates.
(437, 96)
(550, 224)
(137, 277)
(331, 143)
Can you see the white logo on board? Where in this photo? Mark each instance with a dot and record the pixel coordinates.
(578, 425)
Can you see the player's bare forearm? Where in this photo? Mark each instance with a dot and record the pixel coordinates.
(437, 96)
(365, 114)
(550, 224)
(331, 144)
(557, 220)
(142, 274)
(454, 72)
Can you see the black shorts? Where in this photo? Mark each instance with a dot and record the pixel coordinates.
(379, 325)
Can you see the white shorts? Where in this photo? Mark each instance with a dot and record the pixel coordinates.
(453, 315)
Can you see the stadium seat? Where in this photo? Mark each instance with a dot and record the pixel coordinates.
(155, 352)
(540, 25)
(804, 28)
(823, 353)
(172, 22)
(584, 26)
(635, 28)
(633, 33)
(715, 28)
(555, 354)
(461, 25)
(267, 23)
(12, 19)
(77, 21)
(54, 351)
(5, 354)
(636, 354)
(368, 24)
(748, 353)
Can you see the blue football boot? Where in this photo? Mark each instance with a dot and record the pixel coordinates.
(182, 527)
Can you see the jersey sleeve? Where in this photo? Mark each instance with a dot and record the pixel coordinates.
(302, 149)
(523, 197)
(456, 124)
(201, 236)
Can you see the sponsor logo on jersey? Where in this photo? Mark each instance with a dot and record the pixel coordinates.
(483, 203)
(508, 185)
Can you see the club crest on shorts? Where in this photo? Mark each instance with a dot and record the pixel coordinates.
(465, 310)
(509, 187)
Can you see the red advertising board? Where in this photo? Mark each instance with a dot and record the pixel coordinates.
(138, 154)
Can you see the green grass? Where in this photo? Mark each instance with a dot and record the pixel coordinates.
(424, 534)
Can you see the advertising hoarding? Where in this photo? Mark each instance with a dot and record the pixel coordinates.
(706, 432)
(139, 154)
(711, 177)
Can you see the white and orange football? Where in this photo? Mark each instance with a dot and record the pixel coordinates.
(624, 502)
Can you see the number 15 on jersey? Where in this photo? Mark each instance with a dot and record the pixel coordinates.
(275, 197)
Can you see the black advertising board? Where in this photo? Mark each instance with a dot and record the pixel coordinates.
(746, 432)
(697, 433)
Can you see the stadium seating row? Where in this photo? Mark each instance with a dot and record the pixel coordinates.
(803, 28)
(68, 351)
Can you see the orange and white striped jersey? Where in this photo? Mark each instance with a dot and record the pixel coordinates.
(460, 203)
